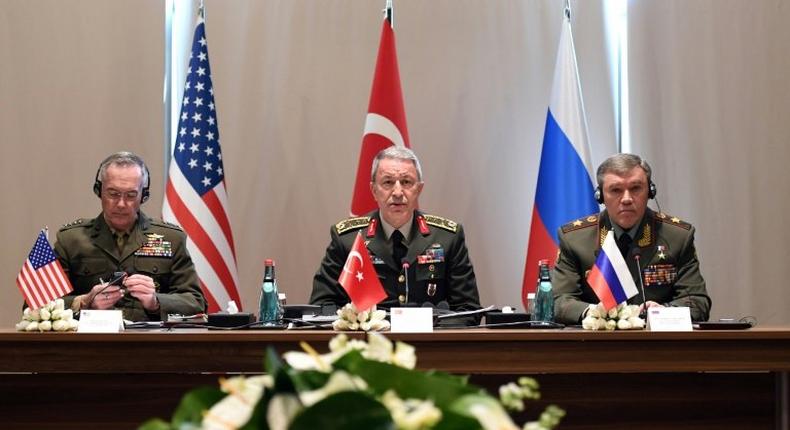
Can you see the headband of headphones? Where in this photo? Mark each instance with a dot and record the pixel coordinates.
(123, 155)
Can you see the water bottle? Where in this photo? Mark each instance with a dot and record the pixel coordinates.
(531, 306)
(544, 296)
(271, 311)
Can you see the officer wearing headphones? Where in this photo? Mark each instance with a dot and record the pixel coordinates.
(122, 259)
(660, 245)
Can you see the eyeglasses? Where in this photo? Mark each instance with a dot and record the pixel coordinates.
(116, 195)
(389, 183)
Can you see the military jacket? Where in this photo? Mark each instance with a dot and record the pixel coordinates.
(668, 259)
(439, 265)
(88, 252)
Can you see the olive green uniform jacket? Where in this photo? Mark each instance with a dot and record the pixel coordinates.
(87, 251)
(439, 265)
(668, 259)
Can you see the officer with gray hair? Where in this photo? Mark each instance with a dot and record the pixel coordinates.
(122, 259)
(660, 245)
(405, 244)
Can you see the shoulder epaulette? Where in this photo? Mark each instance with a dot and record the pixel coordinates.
(349, 224)
(580, 223)
(79, 222)
(162, 223)
(672, 220)
(441, 222)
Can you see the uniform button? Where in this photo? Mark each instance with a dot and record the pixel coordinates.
(401, 279)
(431, 268)
(155, 269)
(402, 298)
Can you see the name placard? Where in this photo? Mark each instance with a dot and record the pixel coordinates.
(95, 321)
(669, 319)
(411, 320)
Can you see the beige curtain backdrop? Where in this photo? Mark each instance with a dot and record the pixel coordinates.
(82, 79)
(710, 104)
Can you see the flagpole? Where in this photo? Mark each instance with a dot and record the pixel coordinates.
(568, 9)
(388, 13)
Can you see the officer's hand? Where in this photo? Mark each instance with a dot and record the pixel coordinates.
(142, 287)
(650, 304)
(103, 296)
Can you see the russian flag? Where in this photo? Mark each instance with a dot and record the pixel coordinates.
(610, 278)
(565, 186)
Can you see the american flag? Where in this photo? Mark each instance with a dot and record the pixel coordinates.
(42, 279)
(195, 197)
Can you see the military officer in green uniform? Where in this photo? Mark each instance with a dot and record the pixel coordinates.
(404, 244)
(160, 279)
(661, 245)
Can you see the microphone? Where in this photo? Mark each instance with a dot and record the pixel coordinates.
(637, 256)
(405, 265)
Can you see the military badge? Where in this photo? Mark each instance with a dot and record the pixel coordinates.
(434, 254)
(155, 246)
(660, 274)
(431, 290)
(661, 254)
(375, 259)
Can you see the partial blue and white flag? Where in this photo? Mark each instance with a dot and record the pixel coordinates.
(565, 177)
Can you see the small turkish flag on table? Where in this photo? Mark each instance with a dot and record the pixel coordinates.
(359, 277)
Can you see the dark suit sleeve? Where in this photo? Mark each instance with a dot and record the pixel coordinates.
(63, 258)
(183, 295)
(566, 284)
(689, 289)
(462, 294)
(326, 289)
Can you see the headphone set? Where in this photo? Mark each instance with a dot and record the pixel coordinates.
(144, 195)
(651, 192)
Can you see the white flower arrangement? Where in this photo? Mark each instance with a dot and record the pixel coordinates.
(350, 319)
(357, 384)
(622, 317)
(51, 317)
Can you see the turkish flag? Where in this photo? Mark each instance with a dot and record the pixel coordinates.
(385, 124)
(359, 277)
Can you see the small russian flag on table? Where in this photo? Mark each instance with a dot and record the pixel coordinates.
(609, 277)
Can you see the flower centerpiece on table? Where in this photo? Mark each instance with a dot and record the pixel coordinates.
(349, 319)
(356, 385)
(51, 317)
(622, 317)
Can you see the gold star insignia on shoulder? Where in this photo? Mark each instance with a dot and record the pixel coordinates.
(580, 223)
(676, 220)
(352, 224)
(441, 222)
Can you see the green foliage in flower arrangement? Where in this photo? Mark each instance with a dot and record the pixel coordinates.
(368, 385)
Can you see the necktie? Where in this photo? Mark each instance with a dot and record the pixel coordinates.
(120, 241)
(399, 248)
(624, 244)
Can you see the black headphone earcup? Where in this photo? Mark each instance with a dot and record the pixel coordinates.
(651, 193)
(598, 195)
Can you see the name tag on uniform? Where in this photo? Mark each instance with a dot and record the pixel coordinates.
(95, 321)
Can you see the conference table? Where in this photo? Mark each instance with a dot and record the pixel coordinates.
(619, 379)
